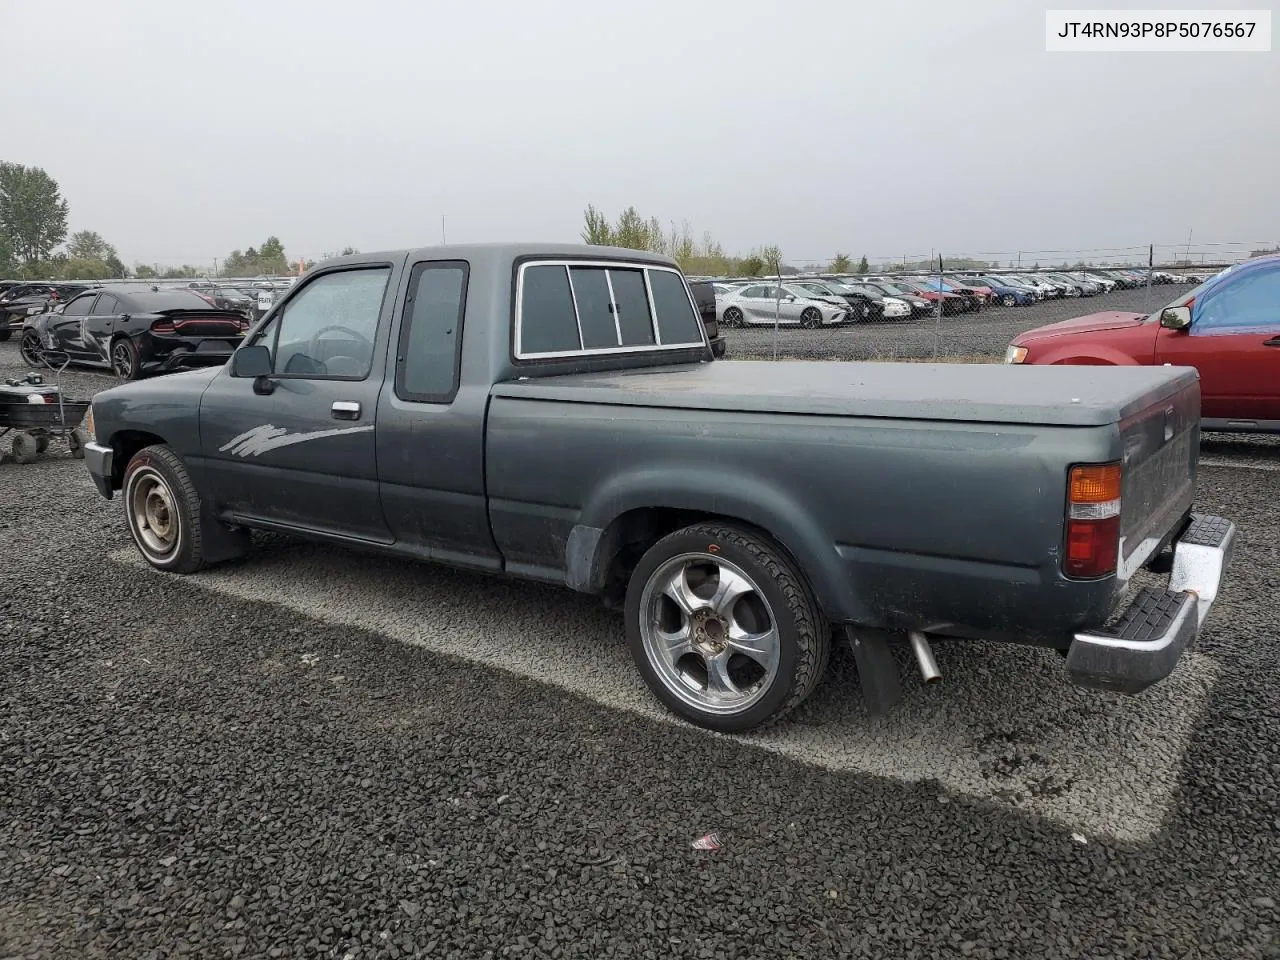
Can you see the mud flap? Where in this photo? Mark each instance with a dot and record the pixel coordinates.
(877, 669)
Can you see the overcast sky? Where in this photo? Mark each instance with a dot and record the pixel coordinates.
(182, 130)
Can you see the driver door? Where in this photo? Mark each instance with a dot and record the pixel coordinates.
(302, 456)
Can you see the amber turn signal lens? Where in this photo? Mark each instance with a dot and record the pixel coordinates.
(1095, 483)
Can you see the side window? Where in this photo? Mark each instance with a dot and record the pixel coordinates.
(328, 328)
(677, 323)
(107, 306)
(79, 307)
(429, 353)
(1249, 302)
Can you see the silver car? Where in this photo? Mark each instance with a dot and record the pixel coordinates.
(766, 303)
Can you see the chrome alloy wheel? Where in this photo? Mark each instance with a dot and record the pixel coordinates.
(709, 633)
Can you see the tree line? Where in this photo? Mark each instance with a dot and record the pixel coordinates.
(35, 245)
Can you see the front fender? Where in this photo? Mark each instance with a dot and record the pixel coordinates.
(1079, 354)
(705, 489)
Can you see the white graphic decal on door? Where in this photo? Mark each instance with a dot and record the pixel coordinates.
(270, 437)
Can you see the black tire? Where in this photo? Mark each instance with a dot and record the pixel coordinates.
(42, 442)
(125, 362)
(171, 531)
(25, 447)
(732, 317)
(76, 440)
(31, 349)
(5, 331)
(811, 318)
(1009, 300)
(803, 637)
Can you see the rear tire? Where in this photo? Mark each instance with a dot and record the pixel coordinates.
(723, 628)
(125, 362)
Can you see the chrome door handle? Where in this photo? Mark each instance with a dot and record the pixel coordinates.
(345, 410)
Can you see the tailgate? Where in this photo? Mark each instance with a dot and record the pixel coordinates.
(1161, 445)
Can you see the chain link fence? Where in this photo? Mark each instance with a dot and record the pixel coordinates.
(1136, 280)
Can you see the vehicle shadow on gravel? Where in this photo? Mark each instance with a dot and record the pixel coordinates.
(1004, 726)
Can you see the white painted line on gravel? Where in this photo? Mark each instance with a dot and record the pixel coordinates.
(1003, 726)
(1238, 464)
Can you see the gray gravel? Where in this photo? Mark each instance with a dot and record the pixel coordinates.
(184, 771)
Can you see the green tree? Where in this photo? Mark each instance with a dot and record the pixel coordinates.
(631, 231)
(89, 245)
(86, 268)
(863, 266)
(271, 257)
(144, 272)
(596, 229)
(348, 252)
(750, 266)
(116, 267)
(33, 215)
(771, 257)
(840, 263)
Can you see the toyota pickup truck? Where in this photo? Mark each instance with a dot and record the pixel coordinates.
(556, 413)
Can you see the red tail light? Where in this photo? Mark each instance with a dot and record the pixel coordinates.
(163, 326)
(1093, 521)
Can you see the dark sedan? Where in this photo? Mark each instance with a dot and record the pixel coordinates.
(135, 332)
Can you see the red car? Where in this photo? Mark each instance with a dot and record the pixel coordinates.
(1228, 328)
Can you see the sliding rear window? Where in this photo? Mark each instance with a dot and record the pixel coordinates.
(568, 308)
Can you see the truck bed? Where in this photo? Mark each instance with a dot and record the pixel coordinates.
(968, 392)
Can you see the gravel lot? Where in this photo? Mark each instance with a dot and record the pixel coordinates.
(315, 754)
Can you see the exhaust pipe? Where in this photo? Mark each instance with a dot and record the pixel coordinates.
(929, 671)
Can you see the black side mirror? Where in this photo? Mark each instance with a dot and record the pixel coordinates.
(250, 361)
(1175, 318)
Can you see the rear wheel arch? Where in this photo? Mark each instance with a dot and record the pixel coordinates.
(607, 543)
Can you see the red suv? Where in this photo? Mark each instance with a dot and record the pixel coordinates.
(1228, 328)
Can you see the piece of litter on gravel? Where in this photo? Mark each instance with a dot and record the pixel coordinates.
(709, 842)
(1079, 838)
(311, 659)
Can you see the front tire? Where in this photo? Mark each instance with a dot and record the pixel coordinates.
(163, 510)
(723, 628)
(811, 318)
(1009, 300)
(31, 349)
(732, 317)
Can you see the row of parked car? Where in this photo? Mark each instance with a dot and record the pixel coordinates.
(831, 299)
(20, 299)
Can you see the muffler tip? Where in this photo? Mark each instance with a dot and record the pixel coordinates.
(929, 671)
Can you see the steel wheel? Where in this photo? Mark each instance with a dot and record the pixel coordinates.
(709, 633)
(154, 517)
(31, 350)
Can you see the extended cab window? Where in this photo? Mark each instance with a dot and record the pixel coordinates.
(597, 308)
(427, 359)
(328, 328)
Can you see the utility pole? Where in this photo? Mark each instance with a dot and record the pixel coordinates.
(444, 239)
